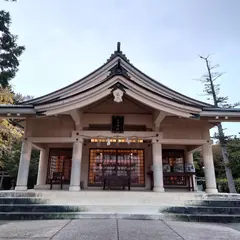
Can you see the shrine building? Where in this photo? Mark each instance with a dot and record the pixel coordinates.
(117, 128)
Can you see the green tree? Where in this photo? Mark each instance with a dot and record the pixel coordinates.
(217, 158)
(11, 160)
(10, 51)
(198, 164)
(9, 62)
(233, 150)
(8, 132)
(212, 90)
(218, 161)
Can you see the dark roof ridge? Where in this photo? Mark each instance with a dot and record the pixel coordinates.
(118, 53)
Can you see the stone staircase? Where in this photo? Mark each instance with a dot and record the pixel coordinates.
(209, 210)
(33, 205)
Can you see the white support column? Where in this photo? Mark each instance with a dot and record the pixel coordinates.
(24, 164)
(42, 167)
(76, 166)
(211, 186)
(157, 166)
(189, 160)
(209, 171)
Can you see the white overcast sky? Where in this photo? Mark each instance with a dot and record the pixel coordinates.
(67, 39)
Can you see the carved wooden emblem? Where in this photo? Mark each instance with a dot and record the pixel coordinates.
(118, 94)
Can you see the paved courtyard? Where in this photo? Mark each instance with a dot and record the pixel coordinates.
(112, 229)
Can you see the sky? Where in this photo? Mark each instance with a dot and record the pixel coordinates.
(67, 39)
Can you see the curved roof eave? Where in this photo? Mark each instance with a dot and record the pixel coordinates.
(56, 95)
(216, 109)
(106, 80)
(165, 87)
(89, 96)
(34, 100)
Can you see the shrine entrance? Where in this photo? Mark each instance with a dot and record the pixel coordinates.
(117, 162)
(60, 162)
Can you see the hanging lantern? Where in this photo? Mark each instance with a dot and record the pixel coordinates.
(108, 142)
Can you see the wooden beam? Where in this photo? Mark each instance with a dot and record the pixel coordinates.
(184, 141)
(224, 120)
(51, 139)
(77, 118)
(195, 149)
(158, 118)
(78, 135)
(106, 134)
(37, 147)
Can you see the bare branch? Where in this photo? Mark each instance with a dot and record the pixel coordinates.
(218, 76)
(205, 58)
(199, 79)
(215, 66)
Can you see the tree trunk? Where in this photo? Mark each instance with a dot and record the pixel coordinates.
(228, 170)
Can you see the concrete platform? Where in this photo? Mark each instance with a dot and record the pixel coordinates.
(119, 198)
(115, 229)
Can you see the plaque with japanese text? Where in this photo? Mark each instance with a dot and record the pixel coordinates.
(117, 124)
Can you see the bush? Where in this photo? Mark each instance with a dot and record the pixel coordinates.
(11, 163)
(223, 185)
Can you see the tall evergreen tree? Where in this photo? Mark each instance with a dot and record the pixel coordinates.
(10, 51)
(9, 54)
(212, 89)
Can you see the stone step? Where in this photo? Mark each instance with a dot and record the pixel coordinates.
(23, 200)
(202, 210)
(215, 218)
(25, 194)
(220, 218)
(223, 196)
(119, 209)
(133, 209)
(76, 215)
(39, 208)
(214, 203)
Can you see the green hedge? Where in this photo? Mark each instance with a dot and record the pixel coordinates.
(223, 185)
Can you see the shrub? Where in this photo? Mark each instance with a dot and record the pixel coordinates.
(223, 185)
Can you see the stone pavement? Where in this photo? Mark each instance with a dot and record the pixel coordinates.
(113, 229)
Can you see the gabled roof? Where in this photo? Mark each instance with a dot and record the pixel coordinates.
(105, 71)
(116, 73)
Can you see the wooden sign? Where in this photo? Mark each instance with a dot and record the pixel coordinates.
(117, 124)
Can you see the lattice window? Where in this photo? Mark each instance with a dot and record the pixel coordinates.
(105, 162)
(60, 160)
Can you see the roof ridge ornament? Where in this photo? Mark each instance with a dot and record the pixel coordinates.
(118, 69)
(119, 47)
(119, 53)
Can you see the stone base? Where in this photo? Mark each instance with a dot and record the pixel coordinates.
(42, 187)
(158, 189)
(211, 190)
(74, 188)
(54, 187)
(21, 188)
